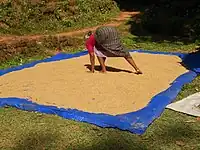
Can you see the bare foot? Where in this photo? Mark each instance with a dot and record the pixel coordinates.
(103, 71)
(90, 71)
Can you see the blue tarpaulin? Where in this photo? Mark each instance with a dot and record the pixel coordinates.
(136, 122)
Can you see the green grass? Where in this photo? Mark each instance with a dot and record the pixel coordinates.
(52, 26)
(148, 43)
(42, 51)
(20, 130)
(48, 17)
(19, 60)
(135, 42)
(32, 131)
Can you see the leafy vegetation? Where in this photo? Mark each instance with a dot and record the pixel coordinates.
(45, 46)
(47, 16)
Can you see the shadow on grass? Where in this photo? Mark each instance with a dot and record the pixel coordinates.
(145, 35)
(36, 141)
(164, 20)
(118, 141)
(162, 134)
(130, 5)
(177, 132)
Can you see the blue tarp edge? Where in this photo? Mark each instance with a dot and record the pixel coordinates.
(135, 122)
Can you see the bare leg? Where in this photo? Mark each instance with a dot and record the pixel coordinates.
(102, 63)
(132, 63)
(104, 59)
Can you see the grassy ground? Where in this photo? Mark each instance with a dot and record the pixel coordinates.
(24, 17)
(21, 130)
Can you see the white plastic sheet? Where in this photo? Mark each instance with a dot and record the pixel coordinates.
(189, 105)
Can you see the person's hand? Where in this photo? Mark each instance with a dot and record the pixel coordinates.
(138, 71)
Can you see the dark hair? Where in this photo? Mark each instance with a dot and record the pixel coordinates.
(89, 33)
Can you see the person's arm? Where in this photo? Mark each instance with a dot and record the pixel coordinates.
(132, 62)
(90, 43)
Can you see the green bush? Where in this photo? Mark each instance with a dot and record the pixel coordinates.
(41, 16)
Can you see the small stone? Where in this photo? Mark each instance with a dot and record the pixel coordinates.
(180, 143)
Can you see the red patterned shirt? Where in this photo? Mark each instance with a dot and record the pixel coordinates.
(90, 43)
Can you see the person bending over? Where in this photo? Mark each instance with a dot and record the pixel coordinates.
(105, 42)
